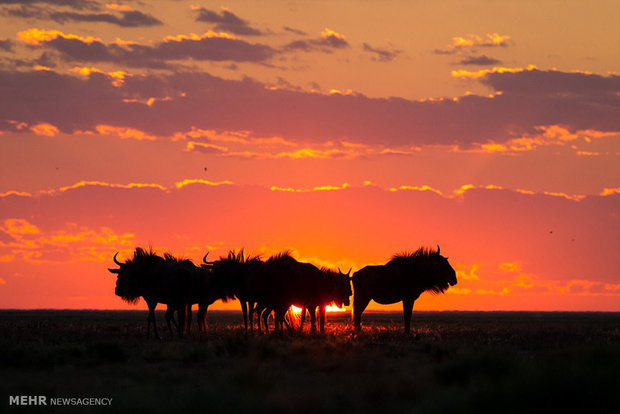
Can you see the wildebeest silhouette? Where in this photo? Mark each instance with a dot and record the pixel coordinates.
(335, 288)
(282, 281)
(199, 286)
(232, 275)
(151, 277)
(403, 278)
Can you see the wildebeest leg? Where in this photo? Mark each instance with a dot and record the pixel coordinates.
(151, 320)
(279, 315)
(359, 305)
(322, 318)
(202, 316)
(312, 312)
(266, 313)
(407, 310)
(170, 318)
(181, 311)
(251, 308)
(189, 317)
(259, 311)
(303, 318)
(244, 310)
(290, 327)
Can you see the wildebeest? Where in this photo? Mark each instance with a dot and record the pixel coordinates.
(151, 277)
(403, 278)
(232, 276)
(198, 287)
(334, 288)
(173, 281)
(282, 281)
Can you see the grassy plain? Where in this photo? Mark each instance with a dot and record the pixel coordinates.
(514, 362)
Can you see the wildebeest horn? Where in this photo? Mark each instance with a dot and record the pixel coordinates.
(437, 249)
(116, 261)
(115, 271)
(204, 260)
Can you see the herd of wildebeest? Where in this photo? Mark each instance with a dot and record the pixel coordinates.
(275, 285)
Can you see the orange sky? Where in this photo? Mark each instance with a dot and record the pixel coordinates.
(346, 131)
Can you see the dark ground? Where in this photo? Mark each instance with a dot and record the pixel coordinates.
(453, 362)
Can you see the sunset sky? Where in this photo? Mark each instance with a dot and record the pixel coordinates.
(346, 131)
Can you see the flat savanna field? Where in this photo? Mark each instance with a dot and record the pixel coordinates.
(452, 362)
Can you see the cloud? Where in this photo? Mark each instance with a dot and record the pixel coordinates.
(104, 184)
(481, 60)
(484, 73)
(128, 18)
(187, 182)
(382, 54)
(69, 244)
(205, 148)
(545, 135)
(38, 37)
(46, 130)
(327, 42)
(295, 31)
(123, 132)
(226, 21)
(15, 193)
(6, 45)
(305, 190)
(17, 227)
(76, 4)
(417, 188)
(469, 46)
(472, 40)
(208, 46)
(530, 99)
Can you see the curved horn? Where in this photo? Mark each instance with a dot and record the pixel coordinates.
(349, 272)
(437, 249)
(204, 259)
(116, 261)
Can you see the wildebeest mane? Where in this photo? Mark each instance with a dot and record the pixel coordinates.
(326, 271)
(420, 257)
(239, 256)
(406, 257)
(141, 253)
(283, 256)
(170, 258)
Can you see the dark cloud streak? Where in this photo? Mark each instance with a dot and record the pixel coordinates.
(131, 18)
(482, 60)
(226, 21)
(211, 48)
(382, 54)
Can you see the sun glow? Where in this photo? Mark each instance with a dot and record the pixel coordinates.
(334, 308)
(328, 308)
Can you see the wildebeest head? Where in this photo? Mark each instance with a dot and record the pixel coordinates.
(444, 274)
(133, 273)
(343, 292)
(429, 269)
(339, 286)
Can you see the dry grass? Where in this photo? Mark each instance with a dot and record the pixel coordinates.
(465, 362)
